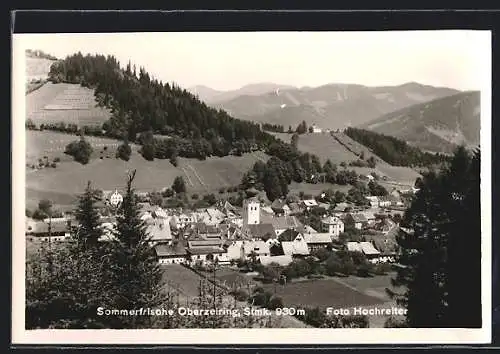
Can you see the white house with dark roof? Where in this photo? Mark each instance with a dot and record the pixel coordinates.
(171, 254)
(296, 248)
(332, 225)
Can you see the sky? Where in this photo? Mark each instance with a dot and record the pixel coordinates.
(230, 60)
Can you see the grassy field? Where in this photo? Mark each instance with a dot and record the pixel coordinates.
(183, 280)
(344, 149)
(71, 103)
(322, 293)
(61, 184)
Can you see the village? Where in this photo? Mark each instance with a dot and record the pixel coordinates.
(264, 232)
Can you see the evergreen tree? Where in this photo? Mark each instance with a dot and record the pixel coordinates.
(443, 248)
(179, 186)
(138, 275)
(87, 216)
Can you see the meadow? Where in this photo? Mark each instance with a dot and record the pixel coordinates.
(69, 178)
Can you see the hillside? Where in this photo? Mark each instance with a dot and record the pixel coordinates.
(71, 103)
(37, 69)
(330, 106)
(439, 125)
(338, 148)
(69, 178)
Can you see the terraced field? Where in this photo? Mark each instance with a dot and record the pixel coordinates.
(69, 103)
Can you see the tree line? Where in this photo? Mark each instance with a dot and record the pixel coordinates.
(141, 104)
(394, 151)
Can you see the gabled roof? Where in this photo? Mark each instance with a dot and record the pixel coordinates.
(262, 231)
(285, 222)
(159, 230)
(40, 227)
(368, 248)
(203, 228)
(318, 238)
(163, 250)
(331, 220)
(310, 202)
(206, 250)
(359, 218)
(354, 247)
(306, 229)
(288, 235)
(202, 243)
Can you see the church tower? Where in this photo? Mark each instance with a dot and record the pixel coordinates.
(251, 211)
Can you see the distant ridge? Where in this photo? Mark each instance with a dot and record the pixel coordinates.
(439, 125)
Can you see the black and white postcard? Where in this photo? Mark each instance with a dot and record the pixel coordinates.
(252, 187)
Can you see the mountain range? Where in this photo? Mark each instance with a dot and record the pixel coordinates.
(432, 118)
(438, 125)
(330, 106)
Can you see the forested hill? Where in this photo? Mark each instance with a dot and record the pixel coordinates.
(142, 104)
(394, 151)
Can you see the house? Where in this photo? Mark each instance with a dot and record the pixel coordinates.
(206, 230)
(282, 223)
(158, 231)
(171, 254)
(182, 220)
(318, 240)
(295, 248)
(280, 208)
(342, 207)
(357, 220)
(332, 225)
(40, 231)
(260, 231)
(365, 247)
(255, 248)
(385, 201)
(159, 213)
(316, 129)
(374, 202)
(206, 250)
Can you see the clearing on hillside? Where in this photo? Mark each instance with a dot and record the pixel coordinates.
(69, 103)
(63, 183)
(339, 148)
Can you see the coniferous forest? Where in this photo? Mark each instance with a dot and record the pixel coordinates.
(394, 151)
(141, 104)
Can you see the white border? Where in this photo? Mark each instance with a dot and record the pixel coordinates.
(237, 336)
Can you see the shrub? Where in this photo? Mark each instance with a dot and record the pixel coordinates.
(275, 302)
(382, 268)
(262, 298)
(124, 151)
(222, 190)
(240, 295)
(195, 196)
(53, 165)
(79, 150)
(364, 270)
(57, 159)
